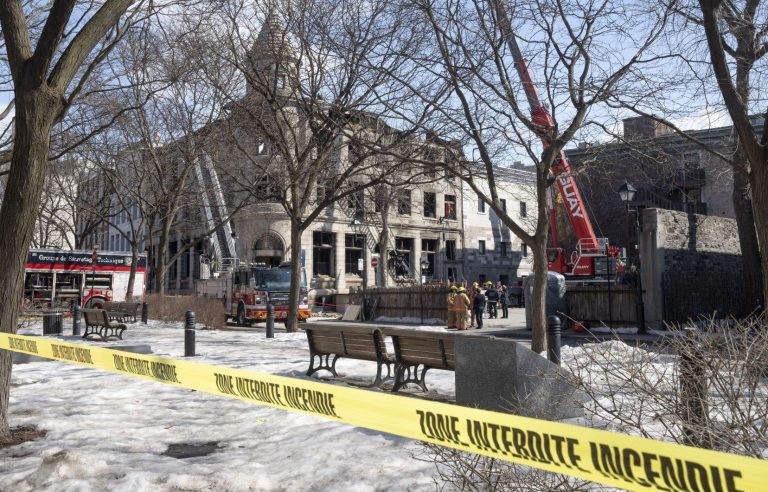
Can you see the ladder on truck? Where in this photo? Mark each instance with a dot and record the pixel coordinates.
(215, 209)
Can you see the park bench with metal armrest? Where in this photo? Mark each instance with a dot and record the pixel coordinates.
(97, 323)
(417, 351)
(329, 342)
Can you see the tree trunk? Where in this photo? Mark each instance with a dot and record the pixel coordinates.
(539, 298)
(132, 273)
(162, 267)
(291, 321)
(750, 249)
(35, 113)
(759, 184)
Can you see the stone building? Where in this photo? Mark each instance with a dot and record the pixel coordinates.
(669, 171)
(427, 229)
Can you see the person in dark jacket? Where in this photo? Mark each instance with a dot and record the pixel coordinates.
(478, 306)
(492, 295)
(504, 301)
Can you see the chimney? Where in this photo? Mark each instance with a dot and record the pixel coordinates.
(641, 127)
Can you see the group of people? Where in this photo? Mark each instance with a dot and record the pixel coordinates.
(472, 303)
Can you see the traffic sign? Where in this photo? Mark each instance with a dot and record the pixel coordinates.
(374, 261)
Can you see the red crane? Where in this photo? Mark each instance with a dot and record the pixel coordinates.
(588, 246)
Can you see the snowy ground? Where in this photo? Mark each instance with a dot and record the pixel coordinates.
(108, 431)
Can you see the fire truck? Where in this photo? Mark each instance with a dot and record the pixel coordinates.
(590, 250)
(59, 278)
(247, 290)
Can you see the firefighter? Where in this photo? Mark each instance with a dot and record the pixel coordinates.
(492, 295)
(462, 305)
(451, 307)
(472, 313)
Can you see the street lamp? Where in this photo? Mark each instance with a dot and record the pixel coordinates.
(424, 265)
(355, 225)
(627, 194)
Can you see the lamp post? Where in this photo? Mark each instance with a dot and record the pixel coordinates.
(627, 194)
(444, 221)
(424, 265)
(355, 225)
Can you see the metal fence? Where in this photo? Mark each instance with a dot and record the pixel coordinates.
(414, 302)
(692, 295)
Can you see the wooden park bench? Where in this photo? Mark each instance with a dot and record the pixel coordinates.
(417, 351)
(122, 311)
(97, 323)
(329, 342)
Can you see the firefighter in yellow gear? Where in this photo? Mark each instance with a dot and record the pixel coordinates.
(461, 304)
(471, 294)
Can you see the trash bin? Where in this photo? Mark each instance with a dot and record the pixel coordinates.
(53, 322)
(556, 304)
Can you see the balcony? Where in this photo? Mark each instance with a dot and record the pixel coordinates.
(647, 198)
(690, 178)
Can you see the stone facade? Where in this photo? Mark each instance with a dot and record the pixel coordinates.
(669, 171)
(492, 251)
(691, 266)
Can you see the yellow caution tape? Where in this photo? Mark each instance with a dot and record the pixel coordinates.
(619, 460)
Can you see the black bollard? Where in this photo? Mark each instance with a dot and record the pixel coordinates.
(270, 321)
(76, 321)
(144, 312)
(189, 334)
(553, 339)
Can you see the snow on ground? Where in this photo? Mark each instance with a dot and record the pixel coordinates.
(108, 431)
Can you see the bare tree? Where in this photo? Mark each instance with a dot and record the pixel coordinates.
(690, 88)
(46, 74)
(306, 121)
(736, 39)
(465, 73)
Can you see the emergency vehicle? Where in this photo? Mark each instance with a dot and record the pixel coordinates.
(59, 278)
(247, 290)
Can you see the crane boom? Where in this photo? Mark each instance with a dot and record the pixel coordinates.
(566, 184)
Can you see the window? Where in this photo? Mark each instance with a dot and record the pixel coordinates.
(266, 189)
(404, 202)
(692, 160)
(523, 209)
(480, 204)
(379, 198)
(524, 250)
(428, 250)
(356, 204)
(280, 81)
(430, 204)
(450, 207)
(450, 250)
(503, 248)
(481, 247)
(322, 253)
(504, 205)
(353, 251)
(401, 258)
(261, 147)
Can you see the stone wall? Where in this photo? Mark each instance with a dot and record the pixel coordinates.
(691, 266)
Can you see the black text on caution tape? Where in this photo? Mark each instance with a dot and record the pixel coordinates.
(616, 462)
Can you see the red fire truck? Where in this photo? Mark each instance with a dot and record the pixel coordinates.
(246, 291)
(59, 278)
